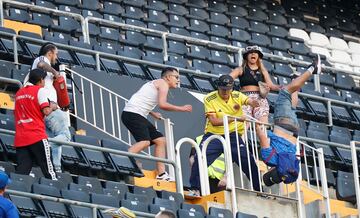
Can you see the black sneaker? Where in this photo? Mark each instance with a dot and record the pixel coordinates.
(315, 67)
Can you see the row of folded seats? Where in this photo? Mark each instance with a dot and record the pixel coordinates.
(84, 161)
(93, 190)
(332, 15)
(199, 58)
(270, 11)
(341, 181)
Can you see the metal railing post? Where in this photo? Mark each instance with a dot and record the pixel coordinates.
(15, 48)
(328, 103)
(324, 182)
(297, 184)
(94, 212)
(170, 148)
(1, 13)
(97, 59)
(85, 29)
(203, 179)
(165, 52)
(356, 173)
(229, 164)
(317, 82)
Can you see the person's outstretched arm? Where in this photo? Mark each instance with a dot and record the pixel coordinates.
(267, 78)
(162, 100)
(235, 73)
(264, 141)
(48, 68)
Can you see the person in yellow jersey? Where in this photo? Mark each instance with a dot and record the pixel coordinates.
(218, 103)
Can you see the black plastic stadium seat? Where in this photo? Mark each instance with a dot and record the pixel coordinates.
(45, 4)
(177, 47)
(165, 203)
(138, 197)
(133, 12)
(59, 184)
(217, 6)
(257, 14)
(205, 85)
(102, 199)
(279, 44)
(42, 189)
(258, 27)
(236, 10)
(97, 160)
(202, 65)
(218, 18)
(18, 15)
(198, 35)
(75, 195)
(172, 196)
(179, 31)
(260, 39)
(112, 8)
(345, 187)
(26, 206)
(91, 182)
(56, 209)
(193, 208)
(188, 214)
(135, 205)
(67, 24)
(123, 164)
(244, 215)
(239, 35)
(7, 167)
(178, 61)
(156, 17)
(79, 211)
(177, 9)
(43, 20)
(278, 31)
(149, 192)
(198, 25)
(218, 30)
(219, 212)
(344, 81)
(156, 5)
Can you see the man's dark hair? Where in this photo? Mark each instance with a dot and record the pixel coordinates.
(45, 48)
(167, 70)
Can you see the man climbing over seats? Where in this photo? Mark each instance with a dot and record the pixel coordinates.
(278, 149)
(57, 121)
(31, 105)
(218, 103)
(141, 104)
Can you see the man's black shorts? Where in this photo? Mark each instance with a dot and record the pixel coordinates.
(140, 127)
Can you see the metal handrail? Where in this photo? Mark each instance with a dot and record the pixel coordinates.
(42, 9)
(203, 180)
(113, 151)
(356, 172)
(153, 64)
(11, 81)
(85, 29)
(67, 201)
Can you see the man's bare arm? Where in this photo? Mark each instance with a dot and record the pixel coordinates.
(164, 105)
(48, 68)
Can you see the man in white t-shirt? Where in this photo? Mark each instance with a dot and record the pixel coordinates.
(141, 104)
(57, 121)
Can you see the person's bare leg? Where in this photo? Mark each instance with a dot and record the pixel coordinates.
(298, 82)
(294, 99)
(160, 151)
(139, 146)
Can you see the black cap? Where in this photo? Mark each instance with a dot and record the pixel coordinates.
(36, 75)
(251, 49)
(225, 82)
(272, 177)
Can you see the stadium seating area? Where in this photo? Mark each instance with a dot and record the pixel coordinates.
(290, 29)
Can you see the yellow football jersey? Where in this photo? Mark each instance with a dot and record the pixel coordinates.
(214, 104)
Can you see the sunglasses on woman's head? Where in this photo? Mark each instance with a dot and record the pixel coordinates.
(254, 47)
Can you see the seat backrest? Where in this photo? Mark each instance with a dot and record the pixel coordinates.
(107, 200)
(220, 212)
(193, 208)
(75, 195)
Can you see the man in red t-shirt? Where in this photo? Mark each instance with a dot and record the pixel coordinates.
(31, 105)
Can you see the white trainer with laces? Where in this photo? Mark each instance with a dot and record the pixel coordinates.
(166, 177)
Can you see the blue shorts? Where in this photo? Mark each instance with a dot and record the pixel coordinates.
(265, 153)
(284, 113)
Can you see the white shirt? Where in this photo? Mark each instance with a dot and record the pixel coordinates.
(144, 100)
(48, 79)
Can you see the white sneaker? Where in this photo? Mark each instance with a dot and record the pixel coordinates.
(166, 177)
